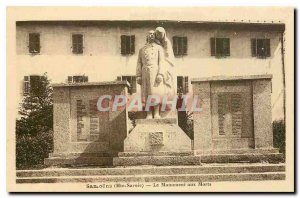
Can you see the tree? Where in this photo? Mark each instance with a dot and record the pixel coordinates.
(36, 109)
(34, 129)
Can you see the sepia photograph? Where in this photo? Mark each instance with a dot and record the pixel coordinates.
(150, 99)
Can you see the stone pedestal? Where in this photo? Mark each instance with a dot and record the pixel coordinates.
(157, 135)
(156, 142)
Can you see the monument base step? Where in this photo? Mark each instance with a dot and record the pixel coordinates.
(79, 161)
(204, 173)
(159, 158)
(186, 158)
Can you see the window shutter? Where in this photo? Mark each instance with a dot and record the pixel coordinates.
(185, 45)
(74, 46)
(37, 43)
(123, 44)
(236, 112)
(227, 46)
(175, 45)
(267, 45)
(77, 43)
(180, 84)
(186, 84)
(26, 85)
(70, 79)
(119, 78)
(212, 46)
(34, 43)
(85, 79)
(132, 44)
(253, 47)
(80, 43)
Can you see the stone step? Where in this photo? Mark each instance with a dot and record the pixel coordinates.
(99, 161)
(154, 170)
(158, 178)
(162, 159)
(197, 160)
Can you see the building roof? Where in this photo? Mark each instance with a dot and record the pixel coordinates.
(259, 17)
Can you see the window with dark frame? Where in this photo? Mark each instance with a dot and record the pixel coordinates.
(34, 43)
(180, 45)
(220, 47)
(78, 79)
(127, 44)
(31, 84)
(131, 80)
(182, 84)
(260, 48)
(77, 43)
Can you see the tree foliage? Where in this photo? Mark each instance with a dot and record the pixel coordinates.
(34, 128)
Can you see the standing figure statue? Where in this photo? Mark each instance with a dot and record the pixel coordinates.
(154, 73)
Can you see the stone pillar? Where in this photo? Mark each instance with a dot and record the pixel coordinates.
(262, 112)
(61, 118)
(202, 119)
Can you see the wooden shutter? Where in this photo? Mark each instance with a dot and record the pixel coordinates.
(26, 85)
(267, 46)
(253, 48)
(132, 44)
(80, 43)
(180, 84)
(236, 112)
(213, 46)
(119, 78)
(185, 45)
(186, 85)
(123, 44)
(175, 45)
(70, 79)
(34, 43)
(222, 104)
(77, 43)
(226, 45)
(85, 79)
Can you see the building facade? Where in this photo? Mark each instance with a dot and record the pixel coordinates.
(98, 51)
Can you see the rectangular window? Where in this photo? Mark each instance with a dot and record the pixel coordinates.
(260, 48)
(77, 43)
(220, 47)
(180, 46)
(127, 44)
(131, 80)
(31, 84)
(34, 43)
(78, 79)
(182, 84)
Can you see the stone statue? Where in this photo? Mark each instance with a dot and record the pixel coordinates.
(153, 72)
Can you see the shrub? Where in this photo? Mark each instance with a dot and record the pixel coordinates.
(279, 135)
(31, 150)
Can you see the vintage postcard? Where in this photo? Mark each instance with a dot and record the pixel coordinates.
(150, 99)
